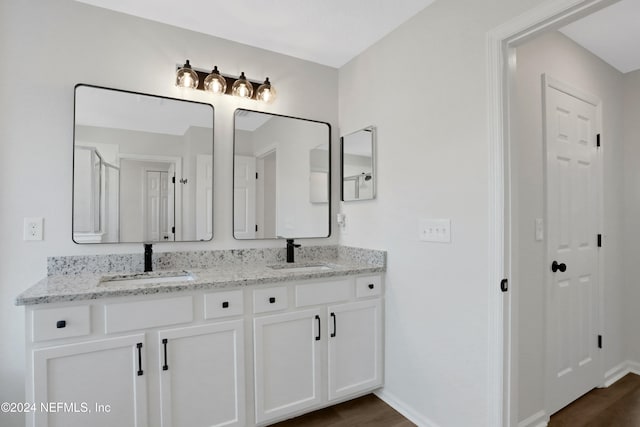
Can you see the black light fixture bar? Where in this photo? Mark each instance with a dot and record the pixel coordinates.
(230, 80)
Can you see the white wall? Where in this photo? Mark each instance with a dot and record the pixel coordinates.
(424, 88)
(57, 43)
(631, 99)
(561, 58)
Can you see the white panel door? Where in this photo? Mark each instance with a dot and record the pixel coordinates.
(152, 210)
(355, 347)
(204, 197)
(107, 377)
(287, 363)
(202, 375)
(244, 197)
(171, 203)
(572, 174)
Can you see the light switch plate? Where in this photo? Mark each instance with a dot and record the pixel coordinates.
(435, 230)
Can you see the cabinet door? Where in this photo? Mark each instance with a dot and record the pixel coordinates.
(98, 383)
(355, 347)
(287, 357)
(202, 375)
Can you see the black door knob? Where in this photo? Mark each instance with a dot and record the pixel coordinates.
(555, 267)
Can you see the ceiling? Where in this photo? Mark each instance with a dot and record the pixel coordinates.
(332, 32)
(328, 32)
(612, 33)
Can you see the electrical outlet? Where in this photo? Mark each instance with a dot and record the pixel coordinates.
(33, 228)
(435, 230)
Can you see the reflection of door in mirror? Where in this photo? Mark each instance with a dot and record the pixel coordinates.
(147, 201)
(204, 197)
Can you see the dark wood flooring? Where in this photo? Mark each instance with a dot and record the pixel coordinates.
(366, 411)
(615, 406)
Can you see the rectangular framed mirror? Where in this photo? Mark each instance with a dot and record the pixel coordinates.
(358, 175)
(281, 178)
(142, 168)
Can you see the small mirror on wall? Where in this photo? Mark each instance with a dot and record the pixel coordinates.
(358, 159)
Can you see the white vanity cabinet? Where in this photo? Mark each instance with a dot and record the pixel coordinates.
(240, 356)
(99, 383)
(202, 375)
(317, 352)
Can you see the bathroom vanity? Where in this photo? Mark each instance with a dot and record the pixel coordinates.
(233, 338)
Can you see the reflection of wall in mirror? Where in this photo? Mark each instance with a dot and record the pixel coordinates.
(295, 215)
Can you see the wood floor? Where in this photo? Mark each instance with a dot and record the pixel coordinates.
(366, 411)
(617, 405)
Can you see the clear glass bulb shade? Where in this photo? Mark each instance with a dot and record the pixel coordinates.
(215, 83)
(242, 87)
(266, 92)
(186, 77)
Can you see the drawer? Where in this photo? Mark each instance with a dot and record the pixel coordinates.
(131, 316)
(62, 322)
(223, 304)
(324, 292)
(270, 299)
(369, 286)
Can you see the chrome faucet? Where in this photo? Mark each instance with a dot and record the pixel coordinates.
(290, 250)
(148, 257)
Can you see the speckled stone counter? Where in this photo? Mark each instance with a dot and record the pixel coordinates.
(76, 278)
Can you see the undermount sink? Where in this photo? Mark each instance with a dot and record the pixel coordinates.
(151, 278)
(300, 267)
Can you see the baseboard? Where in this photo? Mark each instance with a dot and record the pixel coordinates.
(406, 411)
(619, 371)
(539, 419)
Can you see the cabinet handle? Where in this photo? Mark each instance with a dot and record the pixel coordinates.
(318, 336)
(371, 286)
(165, 367)
(272, 300)
(61, 324)
(139, 346)
(333, 334)
(225, 304)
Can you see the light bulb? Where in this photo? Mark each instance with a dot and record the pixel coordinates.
(242, 87)
(215, 82)
(186, 77)
(266, 92)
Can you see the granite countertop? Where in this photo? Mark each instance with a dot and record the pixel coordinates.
(63, 286)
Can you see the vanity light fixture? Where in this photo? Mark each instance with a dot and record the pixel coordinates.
(186, 77)
(217, 83)
(242, 87)
(266, 92)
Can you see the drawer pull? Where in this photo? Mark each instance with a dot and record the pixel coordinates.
(272, 300)
(139, 346)
(61, 324)
(165, 367)
(371, 286)
(225, 304)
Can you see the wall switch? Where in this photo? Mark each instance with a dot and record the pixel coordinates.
(539, 229)
(33, 228)
(435, 230)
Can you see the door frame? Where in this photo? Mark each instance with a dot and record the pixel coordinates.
(503, 317)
